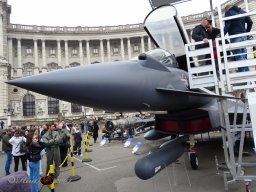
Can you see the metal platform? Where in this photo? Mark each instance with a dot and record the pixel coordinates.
(220, 76)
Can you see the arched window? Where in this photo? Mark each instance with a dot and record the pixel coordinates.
(28, 105)
(74, 64)
(75, 108)
(53, 105)
(52, 66)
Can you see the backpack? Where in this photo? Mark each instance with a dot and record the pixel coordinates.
(23, 147)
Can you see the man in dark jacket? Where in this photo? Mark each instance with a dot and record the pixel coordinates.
(200, 34)
(7, 148)
(95, 131)
(237, 26)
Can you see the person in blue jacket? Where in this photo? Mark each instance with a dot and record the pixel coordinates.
(235, 27)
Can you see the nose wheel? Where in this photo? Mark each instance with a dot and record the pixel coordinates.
(193, 158)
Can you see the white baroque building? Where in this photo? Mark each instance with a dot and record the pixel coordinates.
(30, 49)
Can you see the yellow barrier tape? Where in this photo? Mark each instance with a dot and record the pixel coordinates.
(63, 162)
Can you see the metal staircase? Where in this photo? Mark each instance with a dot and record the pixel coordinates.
(221, 77)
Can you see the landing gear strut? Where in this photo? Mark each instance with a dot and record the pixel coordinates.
(193, 158)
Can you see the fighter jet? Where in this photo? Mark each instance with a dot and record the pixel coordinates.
(154, 81)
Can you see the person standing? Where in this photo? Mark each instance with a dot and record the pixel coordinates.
(235, 27)
(35, 146)
(52, 140)
(82, 126)
(200, 34)
(16, 142)
(7, 148)
(254, 53)
(78, 141)
(2, 124)
(64, 134)
(72, 135)
(95, 131)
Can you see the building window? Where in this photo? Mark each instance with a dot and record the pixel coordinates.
(52, 52)
(28, 105)
(74, 64)
(95, 51)
(116, 50)
(74, 52)
(28, 71)
(75, 108)
(53, 105)
(52, 66)
(29, 52)
(136, 49)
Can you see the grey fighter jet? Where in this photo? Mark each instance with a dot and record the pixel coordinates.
(154, 81)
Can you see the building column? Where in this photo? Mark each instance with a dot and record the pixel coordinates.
(36, 53)
(3, 86)
(88, 52)
(10, 52)
(142, 44)
(101, 50)
(81, 52)
(129, 48)
(122, 48)
(43, 54)
(66, 54)
(149, 44)
(19, 53)
(108, 49)
(59, 53)
(1, 34)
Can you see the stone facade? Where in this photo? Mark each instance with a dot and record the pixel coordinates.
(29, 50)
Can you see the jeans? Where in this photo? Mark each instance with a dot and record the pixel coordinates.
(240, 51)
(34, 174)
(8, 162)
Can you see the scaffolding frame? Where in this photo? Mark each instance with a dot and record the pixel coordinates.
(222, 78)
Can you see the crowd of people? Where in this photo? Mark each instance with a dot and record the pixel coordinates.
(206, 31)
(29, 144)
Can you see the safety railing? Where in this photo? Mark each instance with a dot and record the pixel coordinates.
(201, 66)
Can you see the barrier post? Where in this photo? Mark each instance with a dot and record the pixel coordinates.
(51, 173)
(73, 177)
(88, 138)
(86, 156)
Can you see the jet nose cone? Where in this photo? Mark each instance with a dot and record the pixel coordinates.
(33, 83)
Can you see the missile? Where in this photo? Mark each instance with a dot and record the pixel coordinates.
(150, 165)
(154, 134)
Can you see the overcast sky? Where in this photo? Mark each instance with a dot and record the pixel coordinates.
(90, 12)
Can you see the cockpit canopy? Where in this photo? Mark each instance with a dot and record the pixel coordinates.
(164, 57)
(167, 31)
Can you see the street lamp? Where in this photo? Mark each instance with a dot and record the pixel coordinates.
(9, 112)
